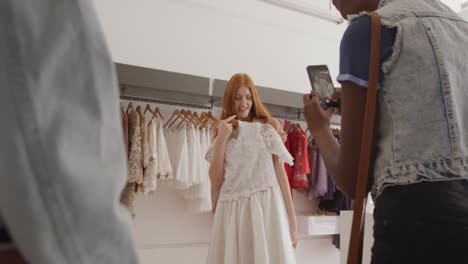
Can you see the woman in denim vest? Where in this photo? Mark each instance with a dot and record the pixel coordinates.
(420, 163)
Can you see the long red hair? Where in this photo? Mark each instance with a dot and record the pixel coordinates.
(258, 110)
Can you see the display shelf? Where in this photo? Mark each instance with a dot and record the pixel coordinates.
(316, 225)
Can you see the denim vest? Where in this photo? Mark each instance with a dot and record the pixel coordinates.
(422, 103)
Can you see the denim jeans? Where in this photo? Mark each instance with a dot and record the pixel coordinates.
(62, 162)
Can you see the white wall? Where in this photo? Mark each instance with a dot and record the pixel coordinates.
(219, 38)
(454, 4)
(464, 12)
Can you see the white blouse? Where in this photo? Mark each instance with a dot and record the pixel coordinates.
(248, 161)
(178, 152)
(151, 171)
(164, 163)
(199, 195)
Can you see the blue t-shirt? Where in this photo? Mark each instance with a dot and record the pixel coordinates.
(355, 51)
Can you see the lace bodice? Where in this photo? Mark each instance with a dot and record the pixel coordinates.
(248, 161)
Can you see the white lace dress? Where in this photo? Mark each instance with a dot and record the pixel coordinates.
(151, 171)
(251, 224)
(199, 195)
(178, 157)
(164, 164)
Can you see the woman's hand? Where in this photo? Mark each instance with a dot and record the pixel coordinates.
(317, 118)
(294, 240)
(225, 128)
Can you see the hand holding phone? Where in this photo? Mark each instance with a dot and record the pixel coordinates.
(322, 84)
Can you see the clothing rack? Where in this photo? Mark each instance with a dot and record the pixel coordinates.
(206, 107)
(165, 102)
(289, 118)
(212, 102)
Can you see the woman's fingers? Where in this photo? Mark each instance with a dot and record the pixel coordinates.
(229, 118)
(310, 98)
(331, 111)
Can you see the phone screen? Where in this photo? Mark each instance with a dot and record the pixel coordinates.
(321, 81)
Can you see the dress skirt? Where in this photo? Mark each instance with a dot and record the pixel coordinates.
(252, 230)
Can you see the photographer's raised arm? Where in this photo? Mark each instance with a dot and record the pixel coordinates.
(342, 161)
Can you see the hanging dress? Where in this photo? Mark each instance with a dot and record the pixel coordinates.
(144, 148)
(193, 156)
(205, 204)
(178, 156)
(165, 170)
(194, 192)
(298, 147)
(125, 129)
(251, 223)
(135, 162)
(199, 195)
(151, 172)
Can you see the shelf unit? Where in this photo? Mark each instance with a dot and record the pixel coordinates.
(313, 226)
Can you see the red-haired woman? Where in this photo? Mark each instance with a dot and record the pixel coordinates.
(254, 215)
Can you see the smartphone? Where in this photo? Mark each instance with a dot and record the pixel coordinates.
(321, 82)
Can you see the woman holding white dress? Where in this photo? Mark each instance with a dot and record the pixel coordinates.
(254, 215)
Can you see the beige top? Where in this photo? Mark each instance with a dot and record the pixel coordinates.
(135, 159)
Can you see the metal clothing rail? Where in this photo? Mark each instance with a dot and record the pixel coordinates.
(210, 106)
(300, 118)
(288, 117)
(166, 102)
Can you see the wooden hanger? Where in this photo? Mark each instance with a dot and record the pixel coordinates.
(214, 120)
(194, 119)
(198, 119)
(206, 120)
(292, 127)
(298, 127)
(188, 115)
(148, 108)
(203, 117)
(191, 119)
(156, 112)
(212, 117)
(129, 108)
(286, 126)
(177, 114)
(138, 109)
(182, 114)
